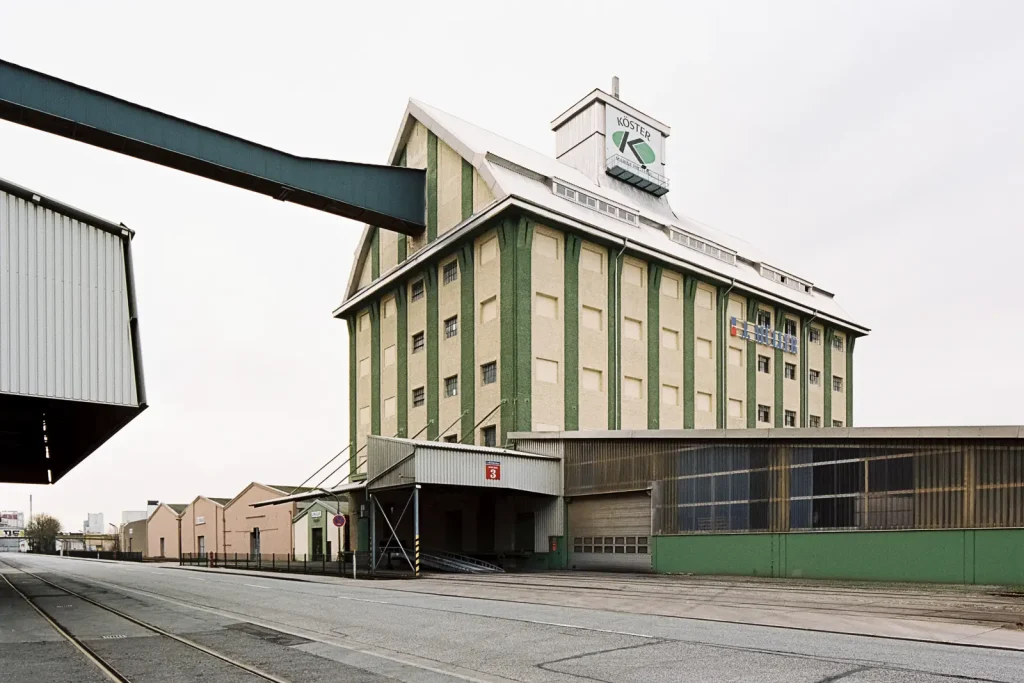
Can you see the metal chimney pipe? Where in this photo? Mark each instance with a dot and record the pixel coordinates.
(615, 87)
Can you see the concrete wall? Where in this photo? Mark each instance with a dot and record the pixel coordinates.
(417, 322)
(212, 528)
(791, 387)
(162, 524)
(363, 383)
(593, 336)
(838, 370)
(449, 188)
(300, 532)
(548, 333)
(633, 330)
(705, 371)
(816, 361)
(982, 556)
(736, 368)
(487, 342)
(273, 521)
(449, 305)
(671, 352)
(416, 157)
(388, 366)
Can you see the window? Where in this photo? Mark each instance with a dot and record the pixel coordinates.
(621, 545)
(764, 413)
(704, 348)
(451, 386)
(837, 383)
(389, 356)
(669, 395)
(591, 318)
(632, 274)
(790, 371)
(591, 260)
(790, 327)
(632, 388)
(488, 309)
(632, 328)
(764, 318)
(735, 407)
(669, 287)
(418, 342)
(417, 290)
(364, 367)
(364, 322)
(489, 372)
(814, 421)
(418, 396)
(489, 436)
(703, 402)
(545, 245)
(388, 309)
(837, 423)
(814, 335)
(704, 299)
(688, 240)
(389, 407)
(669, 338)
(451, 272)
(451, 327)
(451, 438)
(163, 551)
(814, 377)
(488, 250)
(837, 342)
(735, 357)
(791, 418)
(546, 306)
(764, 364)
(593, 380)
(547, 371)
(364, 416)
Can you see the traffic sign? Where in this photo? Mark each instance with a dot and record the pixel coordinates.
(339, 520)
(492, 470)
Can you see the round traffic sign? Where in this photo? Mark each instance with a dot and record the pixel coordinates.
(339, 520)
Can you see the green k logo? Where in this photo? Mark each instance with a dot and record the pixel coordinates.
(640, 149)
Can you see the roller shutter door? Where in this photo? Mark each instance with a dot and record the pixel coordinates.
(610, 532)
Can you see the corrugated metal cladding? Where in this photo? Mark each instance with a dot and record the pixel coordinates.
(610, 532)
(553, 448)
(610, 466)
(468, 468)
(64, 321)
(549, 521)
(382, 454)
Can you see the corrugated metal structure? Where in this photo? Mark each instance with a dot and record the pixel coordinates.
(70, 362)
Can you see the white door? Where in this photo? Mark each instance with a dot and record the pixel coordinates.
(610, 532)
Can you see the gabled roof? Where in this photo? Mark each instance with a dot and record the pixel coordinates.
(220, 501)
(175, 508)
(517, 173)
(329, 505)
(280, 490)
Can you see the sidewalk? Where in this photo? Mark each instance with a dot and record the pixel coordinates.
(963, 615)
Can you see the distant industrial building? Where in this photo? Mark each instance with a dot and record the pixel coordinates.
(93, 524)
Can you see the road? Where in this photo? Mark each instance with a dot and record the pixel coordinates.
(383, 631)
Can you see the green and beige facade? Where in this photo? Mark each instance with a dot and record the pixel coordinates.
(547, 296)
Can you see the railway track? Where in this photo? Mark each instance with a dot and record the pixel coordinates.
(106, 667)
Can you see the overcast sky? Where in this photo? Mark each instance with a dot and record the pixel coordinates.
(875, 148)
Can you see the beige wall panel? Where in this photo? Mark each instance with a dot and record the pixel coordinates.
(366, 274)
(163, 524)
(816, 361)
(482, 195)
(790, 387)
(736, 375)
(388, 250)
(839, 369)
(487, 343)
(593, 343)
(417, 322)
(704, 368)
(634, 350)
(212, 526)
(548, 334)
(364, 375)
(273, 521)
(388, 373)
(416, 157)
(449, 188)
(671, 365)
(450, 352)
(766, 381)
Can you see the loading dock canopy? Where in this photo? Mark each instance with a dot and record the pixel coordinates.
(393, 463)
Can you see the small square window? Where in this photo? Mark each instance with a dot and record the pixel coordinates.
(419, 342)
(837, 383)
(837, 342)
(489, 436)
(790, 371)
(417, 290)
(451, 386)
(451, 438)
(451, 272)
(837, 423)
(489, 373)
(814, 421)
(764, 364)
(418, 397)
(764, 318)
(764, 413)
(790, 327)
(451, 327)
(814, 377)
(791, 418)
(814, 335)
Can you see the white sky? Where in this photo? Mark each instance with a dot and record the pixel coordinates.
(876, 147)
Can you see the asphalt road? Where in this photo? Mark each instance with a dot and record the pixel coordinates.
(366, 631)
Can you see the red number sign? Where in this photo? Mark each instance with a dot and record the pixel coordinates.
(493, 470)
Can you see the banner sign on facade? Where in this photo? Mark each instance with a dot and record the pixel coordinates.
(492, 470)
(762, 334)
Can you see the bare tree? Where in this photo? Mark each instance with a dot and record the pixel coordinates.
(42, 532)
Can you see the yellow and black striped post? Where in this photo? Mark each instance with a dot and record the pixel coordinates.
(416, 527)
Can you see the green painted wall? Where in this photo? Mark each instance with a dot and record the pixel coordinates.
(375, 255)
(402, 361)
(433, 394)
(982, 556)
(804, 322)
(572, 331)
(431, 187)
(653, 346)
(467, 189)
(752, 368)
(467, 336)
(403, 240)
(515, 242)
(850, 340)
(614, 297)
(721, 360)
(689, 347)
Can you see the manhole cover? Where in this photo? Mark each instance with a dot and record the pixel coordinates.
(115, 637)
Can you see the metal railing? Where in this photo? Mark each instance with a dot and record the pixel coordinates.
(342, 564)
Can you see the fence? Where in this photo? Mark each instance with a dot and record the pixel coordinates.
(96, 555)
(342, 565)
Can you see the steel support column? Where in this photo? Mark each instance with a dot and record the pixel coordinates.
(416, 527)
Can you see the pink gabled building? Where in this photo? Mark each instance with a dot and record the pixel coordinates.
(266, 530)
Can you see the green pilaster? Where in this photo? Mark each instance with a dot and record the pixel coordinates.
(431, 187)
(850, 339)
(779, 371)
(614, 297)
(433, 394)
(721, 358)
(689, 350)
(353, 407)
(826, 379)
(515, 239)
(403, 240)
(804, 418)
(572, 332)
(402, 360)
(375, 368)
(653, 346)
(467, 189)
(467, 328)
(751, 369)
(375, 254)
